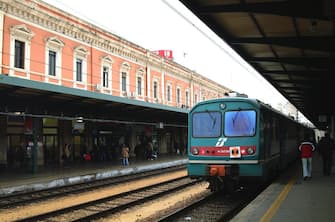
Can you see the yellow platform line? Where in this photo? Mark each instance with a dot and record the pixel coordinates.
(276, 204)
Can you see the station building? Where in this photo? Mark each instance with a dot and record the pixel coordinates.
(67, 82)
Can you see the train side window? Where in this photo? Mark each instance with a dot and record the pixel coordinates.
(240, 123)
(206, 124)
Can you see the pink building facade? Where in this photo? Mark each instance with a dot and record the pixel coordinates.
(43, 43)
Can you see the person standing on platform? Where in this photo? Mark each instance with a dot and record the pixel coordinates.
(306, 149)
(125, 155)
(326, 147)
(66, 154)
(150, 150)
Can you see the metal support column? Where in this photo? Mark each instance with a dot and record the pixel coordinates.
(35, 147)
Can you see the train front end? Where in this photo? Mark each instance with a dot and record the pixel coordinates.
(223, 142)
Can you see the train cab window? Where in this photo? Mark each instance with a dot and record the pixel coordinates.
(206, 124)
(240, 123)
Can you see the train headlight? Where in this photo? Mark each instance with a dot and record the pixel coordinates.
(222, 106)
(250, 150)
(195, 151)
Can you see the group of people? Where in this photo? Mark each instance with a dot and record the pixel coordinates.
(142, 151)
(145, 150)
(325, 147)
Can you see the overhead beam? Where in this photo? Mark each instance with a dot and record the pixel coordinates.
(309, 9)
(307, 73)
(301, 81)
(319, 62)
(320, 43)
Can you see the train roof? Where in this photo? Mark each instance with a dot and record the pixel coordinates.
(255, 102)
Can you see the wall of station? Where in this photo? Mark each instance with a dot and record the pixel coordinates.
(103, 141)
(42, 43)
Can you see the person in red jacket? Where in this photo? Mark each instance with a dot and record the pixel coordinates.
(306, 148)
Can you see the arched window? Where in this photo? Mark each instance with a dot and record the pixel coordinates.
(195, 98)
(187, 98)
(139, 82)
(178, 99)
(53, 58)
(124, 78)
(80, 64)
(155, 89)
(20, 48)
(106, 72)
(169, 92)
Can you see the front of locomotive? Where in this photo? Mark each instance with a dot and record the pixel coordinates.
(223, 141)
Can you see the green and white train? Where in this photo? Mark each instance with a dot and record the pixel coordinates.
(236, 138)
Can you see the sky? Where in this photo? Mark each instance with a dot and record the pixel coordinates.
(169, 25)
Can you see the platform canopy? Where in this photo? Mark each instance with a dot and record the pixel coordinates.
(290, 43)
(38, 99)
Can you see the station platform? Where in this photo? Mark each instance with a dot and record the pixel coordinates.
(290, 198)
(11, 183)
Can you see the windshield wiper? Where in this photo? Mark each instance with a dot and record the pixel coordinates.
(235, 116)
(212, 117)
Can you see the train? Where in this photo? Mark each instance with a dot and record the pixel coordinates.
(234, 139)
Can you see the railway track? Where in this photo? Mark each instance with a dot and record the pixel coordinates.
(215, 207)
(25, 198)
(94, 210)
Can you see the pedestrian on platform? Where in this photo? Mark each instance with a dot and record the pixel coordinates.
(306, 149)
(150, 150)
(326, 147)
(139, 151)
(66, 154)
(125, 155)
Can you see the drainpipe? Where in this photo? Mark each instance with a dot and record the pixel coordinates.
(92, 88)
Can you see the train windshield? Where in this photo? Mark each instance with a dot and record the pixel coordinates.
(240, 123)
(206, 124)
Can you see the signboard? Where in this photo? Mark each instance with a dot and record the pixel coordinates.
(160, 125)
(78, 126)
(168, 54)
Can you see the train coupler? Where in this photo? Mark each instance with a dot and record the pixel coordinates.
(217, 170)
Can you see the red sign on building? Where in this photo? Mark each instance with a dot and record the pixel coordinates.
(168, 54)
